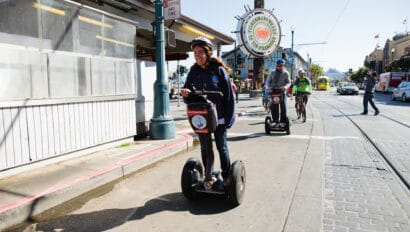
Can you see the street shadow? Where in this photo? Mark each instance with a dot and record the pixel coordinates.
(107, 219)
(32, 205)
(244, 137)
(297, 121)
(257, 123)
(180, 119)
(350, 115)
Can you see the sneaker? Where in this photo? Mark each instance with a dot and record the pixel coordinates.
(376, 113)
(363, 113)
(208, 184)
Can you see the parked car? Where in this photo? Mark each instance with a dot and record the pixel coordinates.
(349, 88)
(402, 91)
(360, 85)
(339, 86)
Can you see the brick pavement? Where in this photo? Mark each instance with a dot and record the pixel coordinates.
(358, 195)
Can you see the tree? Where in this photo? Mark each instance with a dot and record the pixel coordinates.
(315, 72)
(402, 65)
(357, 76)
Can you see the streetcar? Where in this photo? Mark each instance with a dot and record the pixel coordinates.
(323, 83)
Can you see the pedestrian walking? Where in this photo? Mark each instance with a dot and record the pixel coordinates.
(369, 94)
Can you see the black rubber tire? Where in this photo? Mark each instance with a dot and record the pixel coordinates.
(191, 173)
(268, 121)
(287, 126)
(237, 183)
(304, 115)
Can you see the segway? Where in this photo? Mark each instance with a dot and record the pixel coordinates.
(203, 119)
(274, 124)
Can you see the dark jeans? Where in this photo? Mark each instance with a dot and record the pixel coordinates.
(282, 110)
(368, 97)
(221, 145)
(305, 97)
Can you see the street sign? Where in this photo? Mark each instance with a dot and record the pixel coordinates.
(259, 33)
(172, 9)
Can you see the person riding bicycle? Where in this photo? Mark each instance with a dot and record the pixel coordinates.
(211, 74)
(279, 79)
(265, 94)
(302, 86)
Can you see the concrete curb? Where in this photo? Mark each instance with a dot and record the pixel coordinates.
(20, 210)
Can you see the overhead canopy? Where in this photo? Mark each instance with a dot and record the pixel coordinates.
(178, 33)
(183, 30)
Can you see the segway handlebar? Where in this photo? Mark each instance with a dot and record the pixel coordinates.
(276, 90)
(204, 92)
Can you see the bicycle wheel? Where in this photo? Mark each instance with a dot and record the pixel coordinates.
(303, 112)
(298, 109)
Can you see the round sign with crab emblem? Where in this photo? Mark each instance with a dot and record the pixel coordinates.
(259, 33)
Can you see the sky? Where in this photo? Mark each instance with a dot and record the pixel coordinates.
(348, 27)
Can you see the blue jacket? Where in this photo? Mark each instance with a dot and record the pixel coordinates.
(214, 78)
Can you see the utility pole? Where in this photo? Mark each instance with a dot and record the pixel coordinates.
(258, 62)
(162, 125)
(293, 57)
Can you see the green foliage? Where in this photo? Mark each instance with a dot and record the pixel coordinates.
(402, 65)
(125, 145)
(315, 71)
(357, 76)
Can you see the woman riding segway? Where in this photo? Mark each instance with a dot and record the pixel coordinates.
(209, 75)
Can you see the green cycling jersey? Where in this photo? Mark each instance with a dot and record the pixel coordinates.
(302, 85)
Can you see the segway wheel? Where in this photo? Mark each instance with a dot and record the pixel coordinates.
(268, 121)
(237, 182)
(191, 174)
(287, 126)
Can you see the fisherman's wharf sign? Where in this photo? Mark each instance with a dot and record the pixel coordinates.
(258, 33)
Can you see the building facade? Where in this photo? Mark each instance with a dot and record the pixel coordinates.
(76, 75)
(245, 64)
(394, 49)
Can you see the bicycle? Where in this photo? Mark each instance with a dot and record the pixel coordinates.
(301, 107)
(266, 101)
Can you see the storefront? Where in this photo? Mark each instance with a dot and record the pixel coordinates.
(75, 76)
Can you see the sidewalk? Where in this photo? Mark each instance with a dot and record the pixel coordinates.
(35, 191)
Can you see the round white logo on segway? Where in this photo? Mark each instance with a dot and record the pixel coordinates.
(198, 121)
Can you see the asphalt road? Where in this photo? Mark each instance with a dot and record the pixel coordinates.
(326, 176)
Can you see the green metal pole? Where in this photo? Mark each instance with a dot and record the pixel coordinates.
(162, 125)
(293, 58)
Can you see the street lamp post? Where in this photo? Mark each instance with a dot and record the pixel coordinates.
(162, 124)
(235, 62)
(293, 58)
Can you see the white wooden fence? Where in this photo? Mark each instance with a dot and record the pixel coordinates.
(31, 131)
